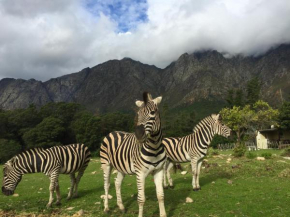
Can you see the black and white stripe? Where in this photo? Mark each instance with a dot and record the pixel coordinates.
(193, 147)
(52, 162)
(139, 153)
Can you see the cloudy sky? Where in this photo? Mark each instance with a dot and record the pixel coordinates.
(44, 39)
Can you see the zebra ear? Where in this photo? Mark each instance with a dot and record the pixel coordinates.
(139, 103)
(158, 100)
(215, 117)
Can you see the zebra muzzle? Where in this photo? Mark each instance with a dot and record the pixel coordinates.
(7, 192)
(140, 132)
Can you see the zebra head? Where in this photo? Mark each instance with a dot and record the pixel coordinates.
(220, 128)
(148, 119)
(11, 178)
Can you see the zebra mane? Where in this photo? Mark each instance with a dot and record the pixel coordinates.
(145, 97)
(11, 161)
(200, 123)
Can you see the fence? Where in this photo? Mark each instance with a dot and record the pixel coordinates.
(228, 146)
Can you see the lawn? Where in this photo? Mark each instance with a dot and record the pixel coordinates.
(241, 187)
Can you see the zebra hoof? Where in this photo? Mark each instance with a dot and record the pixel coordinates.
(68, 198)
(172, 187)
(196, 189)
(75, 196)
(48, 206)
(123, 211)
(165, 187)
(106, 211)
(57, 203)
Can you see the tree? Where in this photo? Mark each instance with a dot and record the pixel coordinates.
(264, 117)
(253, 90)
(8, 148)
(239, 99)
(284, 116)
(46, 134)
(238, 119)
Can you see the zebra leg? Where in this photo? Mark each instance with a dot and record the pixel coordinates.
(118, 183)
(107, 173)
(72, 181)
(58, 196)
(141, 192)
(170, 165)
(198, 172)
(53, 180)
(194, 173)
(80, 174)
(164, 174)
(159, 191)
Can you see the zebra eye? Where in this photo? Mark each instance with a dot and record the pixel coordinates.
(152, 112)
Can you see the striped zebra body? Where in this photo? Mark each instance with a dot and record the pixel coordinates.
(53, 161)
(192, 148)
(139, 153)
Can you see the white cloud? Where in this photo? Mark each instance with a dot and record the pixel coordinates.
(44, 39)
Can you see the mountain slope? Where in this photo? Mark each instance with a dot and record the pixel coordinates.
(116, 84)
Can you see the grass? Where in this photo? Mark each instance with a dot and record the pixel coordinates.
(243, 187)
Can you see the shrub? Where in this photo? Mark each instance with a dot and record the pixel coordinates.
(286, 152)
(8, 148)
(266, 155)
(239, 150)
(251, 155)
(212, 151)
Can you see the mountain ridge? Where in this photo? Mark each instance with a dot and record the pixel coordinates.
(116, 84)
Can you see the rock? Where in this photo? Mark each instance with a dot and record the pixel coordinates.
(183, 172)
(40, 189)
(213, 182)
(80, 212)
(189, 200)
(94, 172)
(70, 208)
(230, 182)
(15, 195)
(260, 158)
(97, 203)
(287, 158)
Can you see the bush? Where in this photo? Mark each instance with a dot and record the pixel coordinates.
(251, 155)
(212, 151)
(239, 150)
(286, 153)
(266, 155)
(8, 148)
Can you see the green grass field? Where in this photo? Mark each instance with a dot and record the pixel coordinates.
(243, 187)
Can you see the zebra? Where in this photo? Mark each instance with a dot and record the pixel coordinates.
(193, 147)
(140, 153)
(53, 161)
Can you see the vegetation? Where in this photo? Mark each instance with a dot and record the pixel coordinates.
(56, 124)
(229, 189)
(284, 116)
(249, 118)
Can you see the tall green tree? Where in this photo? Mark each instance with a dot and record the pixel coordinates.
(284, 116)
(238, 119)
(253, 90)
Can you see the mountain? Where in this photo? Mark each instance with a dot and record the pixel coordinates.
(204, 76)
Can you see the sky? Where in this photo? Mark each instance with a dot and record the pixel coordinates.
(46, 39)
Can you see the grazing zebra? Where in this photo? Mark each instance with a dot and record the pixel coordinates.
(52, 162)
(193, 147)
(141, 153)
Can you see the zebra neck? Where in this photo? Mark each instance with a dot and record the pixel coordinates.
(31, 161)
(153, 144)
(203, 136)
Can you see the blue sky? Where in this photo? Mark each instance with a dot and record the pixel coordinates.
(127, 14)
(46, 39)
